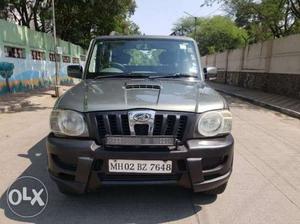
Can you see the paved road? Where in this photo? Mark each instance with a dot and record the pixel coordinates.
(264, 188)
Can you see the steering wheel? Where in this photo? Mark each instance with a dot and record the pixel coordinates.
(117, 65)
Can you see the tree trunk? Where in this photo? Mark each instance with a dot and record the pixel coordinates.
(7, 85)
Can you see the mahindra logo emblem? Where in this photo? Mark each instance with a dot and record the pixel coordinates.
(142, 117)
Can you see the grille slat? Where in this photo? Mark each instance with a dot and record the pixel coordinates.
(164, 124)
(101, 126)
(119, 123)
(170, 124)
(181, 127)
(158, 124)
(113, 125)
(176, 125)
(125, 124)
(107, 124)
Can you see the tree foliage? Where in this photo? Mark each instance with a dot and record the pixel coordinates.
(30, 13)
(295, 6)
(214, 34)
(264, 19)
(76, 21)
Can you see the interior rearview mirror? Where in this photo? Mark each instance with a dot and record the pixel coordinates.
(75, 71)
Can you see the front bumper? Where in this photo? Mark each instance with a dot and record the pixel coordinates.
(81, 165)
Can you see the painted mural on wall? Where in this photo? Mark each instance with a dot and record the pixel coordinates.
(18, 75)
(27, 58)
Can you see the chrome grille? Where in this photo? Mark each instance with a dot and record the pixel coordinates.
(116, 123)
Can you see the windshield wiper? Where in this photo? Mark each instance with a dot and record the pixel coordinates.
(173, 75)
(122, 75)
(139, 75)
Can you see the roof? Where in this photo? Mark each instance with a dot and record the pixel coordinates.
(144, 37)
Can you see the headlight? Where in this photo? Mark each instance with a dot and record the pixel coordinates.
(215, 123)
(68, 122)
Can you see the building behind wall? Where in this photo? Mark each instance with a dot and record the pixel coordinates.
(32, 54)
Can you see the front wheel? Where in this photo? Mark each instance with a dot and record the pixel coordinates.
(215, 191)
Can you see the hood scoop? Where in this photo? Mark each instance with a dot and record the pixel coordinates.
(151, 86)
(142, 94)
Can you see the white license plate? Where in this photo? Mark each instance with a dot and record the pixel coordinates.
(139, 166)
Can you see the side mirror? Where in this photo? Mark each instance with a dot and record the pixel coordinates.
(75, 71)
(210, 73)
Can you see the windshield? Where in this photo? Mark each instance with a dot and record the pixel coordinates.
(145, 57)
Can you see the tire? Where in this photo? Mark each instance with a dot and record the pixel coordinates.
(215, 191)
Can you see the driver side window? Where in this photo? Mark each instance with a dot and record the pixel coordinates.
(108, 58)
(101, 58)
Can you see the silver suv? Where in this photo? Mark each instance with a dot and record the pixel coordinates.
(142, 114)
